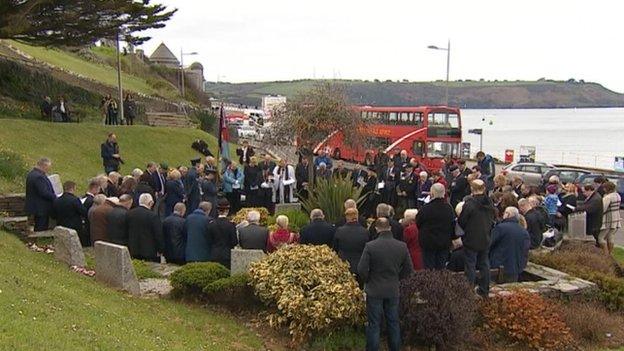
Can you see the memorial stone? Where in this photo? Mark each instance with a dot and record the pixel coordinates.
(113, 266)
(241, 259)
(67, 247)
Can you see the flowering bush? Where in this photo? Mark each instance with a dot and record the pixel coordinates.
(436, 308)
(527, 318)
(310, 289)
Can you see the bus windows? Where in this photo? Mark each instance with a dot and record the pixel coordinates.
(378, 142)
(441, 149)
(418, 147)
(443, 120)
(417, 118)
(409, 118)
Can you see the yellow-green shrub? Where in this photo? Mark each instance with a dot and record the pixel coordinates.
(310, 289)
(241, 215)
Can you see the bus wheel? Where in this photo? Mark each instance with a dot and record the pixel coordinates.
(336, 154)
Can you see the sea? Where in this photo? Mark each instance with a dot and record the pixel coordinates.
(589, 137)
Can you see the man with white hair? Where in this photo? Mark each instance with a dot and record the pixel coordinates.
(423, 187)
(536, 223)
(323, 158)
(510, 245)
(476, 219)
(323, 172)
(350, 203)
(410, 237)
(40, 194)
(253, 236)
(145, 238)
(385, 211)
(318, 231)
(436, 224)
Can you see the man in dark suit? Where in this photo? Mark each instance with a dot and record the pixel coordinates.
(109, 151)
(87, 201)
(221, 234)
(174, 234)
(191, 186)
(145, 239)
(40, 194)
(384, 262)
(350, 203)
(245, 153)
(458, 187)
(68, 209)
(267, 164)
(594, 209)
(302, 174)
(153, 178)
(254, 236)
(319, 231)
(196, 227)
(383, 211)
(390, 177)
(117, 221)
(350, 239)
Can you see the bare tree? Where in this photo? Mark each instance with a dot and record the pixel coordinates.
(310, 117)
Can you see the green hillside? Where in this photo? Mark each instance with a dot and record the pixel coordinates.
(465, 94)
(45, 306)
(75, 148)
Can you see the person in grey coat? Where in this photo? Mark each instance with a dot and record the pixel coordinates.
(384, 262)
(253, 236)
(350, 239)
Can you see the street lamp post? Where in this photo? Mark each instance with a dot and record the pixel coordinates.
(182, 54)
(448, 65)
(121, 101)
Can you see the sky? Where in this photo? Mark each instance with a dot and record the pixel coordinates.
(256, 40)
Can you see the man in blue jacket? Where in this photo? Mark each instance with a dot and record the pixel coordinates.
(323, 158)
(196, 228)
(488, 169)
(40, 194)
(510, 245)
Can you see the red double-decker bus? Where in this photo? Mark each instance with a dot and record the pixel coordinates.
(428, 133)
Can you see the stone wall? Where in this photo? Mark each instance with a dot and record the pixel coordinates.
(12, 205)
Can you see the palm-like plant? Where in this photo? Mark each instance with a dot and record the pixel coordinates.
(330, 194)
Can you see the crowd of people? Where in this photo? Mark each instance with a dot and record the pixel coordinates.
(110, 110)
(58, 111)
(456, 218)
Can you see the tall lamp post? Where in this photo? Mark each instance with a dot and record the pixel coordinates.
(182, 54)
(448, 63)
(119, 86)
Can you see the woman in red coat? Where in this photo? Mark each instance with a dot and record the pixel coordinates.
(410, 236)
(282, 236)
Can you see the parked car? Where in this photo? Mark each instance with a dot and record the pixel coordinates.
(246, 131)
(584, 179)
(531, 173)
(566, 175)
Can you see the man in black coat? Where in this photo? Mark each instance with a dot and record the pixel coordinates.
(476, 219)
(221, 234)
(267, 164)
(252, 182)
(253, 236)
(406, 188)
(536, 222)
(594, 210)
(174, 235)
(109, 151)
(93, 188)
(350, 239)
(245, 153)
(40, 194)
(390, 178)
(436, 227)
(383, 211)
(191, 187)
(145, 239)
(458, 186)
(68, 209)
(117, 221)
(384, 262)
(350, 203)
(318, 231)
(302, 174)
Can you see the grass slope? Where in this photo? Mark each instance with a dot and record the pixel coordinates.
(75, 148)
(99, 72)
(44, 306)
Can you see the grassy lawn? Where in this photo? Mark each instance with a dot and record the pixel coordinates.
(618, 254)
(99, 72)
(44, 306)
(75, 148)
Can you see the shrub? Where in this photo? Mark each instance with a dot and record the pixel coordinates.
(344, 339)
(436, 308)
(296, 219)
(241, 215)
(575, 257)
(233, 292)
(330, 195)
(310, 289)
(193, 277)
(529, 319)
(143, 270)
(228, 284)
(207, 120)
(589, 322)
(12, 165)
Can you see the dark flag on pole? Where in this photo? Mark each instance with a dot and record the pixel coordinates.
(224, 147)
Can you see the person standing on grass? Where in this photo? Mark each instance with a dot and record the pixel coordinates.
(196, 227)
(384, 262)
(129, 109)
(145, 238)
(350, 239)
(40, 194)
(109, 151)
(610, 218)
(476, 219)
(117, 221)
(175, 235)
(436, 226)
(221, 234)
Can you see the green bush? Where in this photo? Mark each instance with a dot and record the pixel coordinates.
(207, 120)
(192, 278)
(308, 288)
(227, 285)
(12, 165)
(330, 195)
(143, 270)
(296, 219)
(344, 339)
(233, 292)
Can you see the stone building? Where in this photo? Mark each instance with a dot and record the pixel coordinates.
(163, 56)
(194, 75)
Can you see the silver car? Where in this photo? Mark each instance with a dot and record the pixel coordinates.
(531, 173)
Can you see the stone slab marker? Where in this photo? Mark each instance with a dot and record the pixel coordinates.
(576, 225)
(67, 247)
(113, 266)
(281, 208)
(241, 259)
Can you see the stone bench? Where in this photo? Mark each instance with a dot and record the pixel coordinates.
(113, 266)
